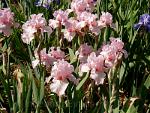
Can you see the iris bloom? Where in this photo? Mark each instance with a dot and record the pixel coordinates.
(35, 24)
(61, 72)
(46, 3)
(43, 57)
(84, 51)
(80, 6)
(144, 21)
(47, 59)
(105, 19)
(7, 21)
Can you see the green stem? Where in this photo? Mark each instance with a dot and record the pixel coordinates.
(114, 87)
(58, 34)
(59, 104)
(106, 34)
(38, 109)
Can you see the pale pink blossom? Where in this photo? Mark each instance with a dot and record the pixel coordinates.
(57, 53)
(78, 5)
(61, 72)
(87, 17)
(95, 30)
(97, 68)
(83, 52)
(43, 58)
(105, 19)
(75, 24)
(85, 49)
(7, 21)
(28, 34)
(53, 23)
(89, 20)
(80, 25)
(84, 67)
(112, 51)
(90, 5)
(98, 77)
(69, 34)
(72, 27)
(105, 58)
(117, 43)
(71, 24)
(61, 16)
(36, 23)
(96, 62)
(96, 65)
(59, 87)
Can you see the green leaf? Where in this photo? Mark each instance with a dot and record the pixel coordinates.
(41, 89)
(82, 81)
(131, 105)
(35, 91)
(28, 99)
(49, 111)
(147, 82)
(7, 89)
(73, 57)
(133, 108)
(121, 73)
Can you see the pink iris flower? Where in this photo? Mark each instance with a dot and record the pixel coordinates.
(7, 21)
(83, 52)
(61, 72)
(105, 19)
(37, 24)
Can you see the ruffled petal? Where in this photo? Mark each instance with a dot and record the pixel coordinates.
(84, 67)
(73, 79)
(98, 77)
(59, 87)
(27, 37)
(35, 63)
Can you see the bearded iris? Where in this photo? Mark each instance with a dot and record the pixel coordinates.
(144, 22)
(46, 3)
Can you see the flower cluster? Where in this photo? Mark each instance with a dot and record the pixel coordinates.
(6, 21)
(61, 70)
(37, 24)
(84, 22)
(102, 60)
(47, 59)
